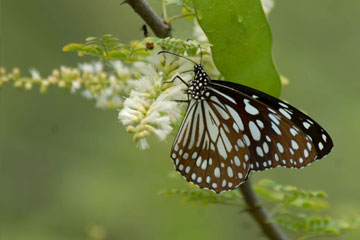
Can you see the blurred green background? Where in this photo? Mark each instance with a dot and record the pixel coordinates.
(70, 171)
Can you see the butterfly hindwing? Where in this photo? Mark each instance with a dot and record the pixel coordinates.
(208, 151)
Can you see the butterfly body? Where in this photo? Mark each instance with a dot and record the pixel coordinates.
(198, 88)
(230, 130)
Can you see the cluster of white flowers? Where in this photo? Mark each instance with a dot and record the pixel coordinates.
(151, 106)
(110, 96)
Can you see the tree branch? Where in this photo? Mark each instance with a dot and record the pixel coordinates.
(260, 214)
(157, 24)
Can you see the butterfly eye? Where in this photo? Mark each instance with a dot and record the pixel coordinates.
(230, 130)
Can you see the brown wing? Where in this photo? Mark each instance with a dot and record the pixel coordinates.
(209, 148)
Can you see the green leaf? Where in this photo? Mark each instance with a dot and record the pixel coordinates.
(73, 47)
(241, 42)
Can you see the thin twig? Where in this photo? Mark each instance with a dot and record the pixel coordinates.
(257, 211)
(260, 214)
(157, 24)
(180, 16)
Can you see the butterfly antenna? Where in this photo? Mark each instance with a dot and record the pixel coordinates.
(177, 56)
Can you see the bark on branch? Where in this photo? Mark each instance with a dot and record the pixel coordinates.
(259, 213)
(157, 24)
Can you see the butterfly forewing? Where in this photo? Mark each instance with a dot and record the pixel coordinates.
(279, 134)
(320, 138)
(208, 151)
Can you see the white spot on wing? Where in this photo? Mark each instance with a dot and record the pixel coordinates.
(247, 140)
(260, 123)
(283, 105)
(259, 151)
(265, 147)
(283, 112)
(204, 165)
(223, 114)
(276, 129)
(280, 147)
(254, 130)
(237, 161)
(293, 132)
(198, 161)
(217, 172)
(306, 125)
(230, 172)
(249, 108)
(208, 179)
(227, 143)
(221, 148)
(324, 137)
(294, 144)
(274, 118)
(236, 117)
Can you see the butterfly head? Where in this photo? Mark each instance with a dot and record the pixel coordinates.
(198, 88)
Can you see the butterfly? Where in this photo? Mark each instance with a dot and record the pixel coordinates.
(230, 130)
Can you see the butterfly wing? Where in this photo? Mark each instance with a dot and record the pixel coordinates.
(209, 150)
(278, 134)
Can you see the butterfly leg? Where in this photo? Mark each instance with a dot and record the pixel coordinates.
(182, 101)
(177, 76)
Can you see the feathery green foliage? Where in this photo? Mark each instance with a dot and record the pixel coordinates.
(109, 48)
(306, 226)
(205, 197)
(292, 207)
(291, 196)
(179, 46)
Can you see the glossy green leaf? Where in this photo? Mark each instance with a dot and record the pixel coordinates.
(241, 42)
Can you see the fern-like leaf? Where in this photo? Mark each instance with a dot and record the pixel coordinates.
(109, 48)
(291, 196)
(179, 46)
(311, 226)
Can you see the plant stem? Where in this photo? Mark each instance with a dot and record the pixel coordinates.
(157, 24)
(257, 211)
(164, 11)
(260, 214)
(180, 16)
